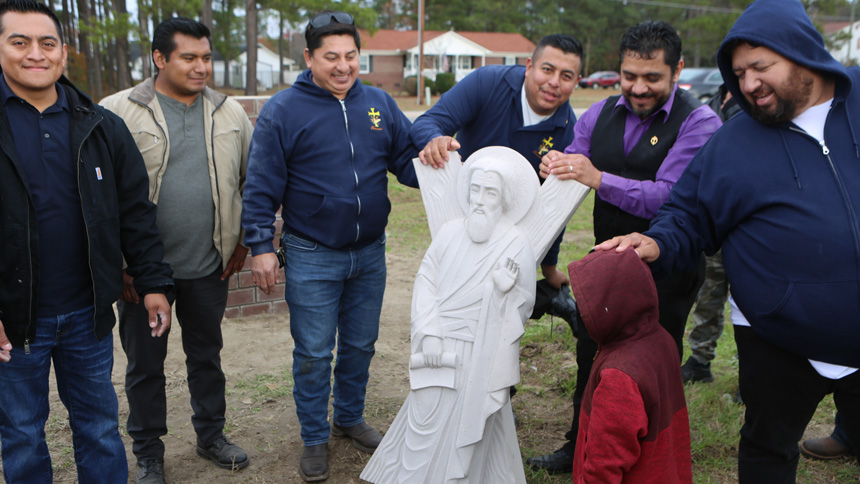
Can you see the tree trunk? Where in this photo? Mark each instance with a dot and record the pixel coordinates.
(251, 42)
(145, 51)
(206, 15)
(281, 22)
(85, 18)
(66, 19)
(206, 19)
(97, 58)
(123, 71)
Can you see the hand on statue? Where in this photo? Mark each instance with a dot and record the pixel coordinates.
(506, 275)
(431, 346)
(435, 153)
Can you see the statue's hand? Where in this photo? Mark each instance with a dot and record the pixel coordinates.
(506, 275)
(431, 346)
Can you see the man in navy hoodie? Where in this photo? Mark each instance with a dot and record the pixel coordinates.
(321, 149)
(524, 108)
(778, 188)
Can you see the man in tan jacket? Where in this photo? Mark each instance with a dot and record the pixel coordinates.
(195, 144)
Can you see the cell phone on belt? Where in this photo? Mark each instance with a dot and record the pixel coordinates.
(280, 254)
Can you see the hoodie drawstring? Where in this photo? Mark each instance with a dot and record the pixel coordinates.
(853, 133)
(790, 158)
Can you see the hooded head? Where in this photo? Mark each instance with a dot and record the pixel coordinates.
(783, 27)
(616, 295)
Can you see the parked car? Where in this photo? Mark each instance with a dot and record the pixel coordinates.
(602, 79)
(702, 82)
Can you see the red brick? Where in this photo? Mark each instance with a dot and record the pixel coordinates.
(254, 309)
(246, 279)
(276, 294)
(238, 297)
(280, 307)
(260, 102)
(249, 105)
(233, 282)
(233, 313)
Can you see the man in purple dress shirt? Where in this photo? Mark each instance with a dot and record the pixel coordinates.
(632, 149)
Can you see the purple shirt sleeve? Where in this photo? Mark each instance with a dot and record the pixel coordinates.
(643, 198)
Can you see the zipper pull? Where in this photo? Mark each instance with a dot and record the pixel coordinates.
(824, 148)
(342, 105)
(27, 346)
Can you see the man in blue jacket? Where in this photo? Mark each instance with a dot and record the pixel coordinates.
(524, 108)
(777, 188)
(73, 205)
(322, 150)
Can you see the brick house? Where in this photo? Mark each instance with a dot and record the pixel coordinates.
(388, 56)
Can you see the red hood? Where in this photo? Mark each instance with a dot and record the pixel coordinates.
(615, 294)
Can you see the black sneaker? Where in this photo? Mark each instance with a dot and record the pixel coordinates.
(559, 462)
(150, 472)
(693, 371)
(224, 454)
(564, 307)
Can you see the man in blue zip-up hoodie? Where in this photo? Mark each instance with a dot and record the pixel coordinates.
(321, 149)
(778, 188)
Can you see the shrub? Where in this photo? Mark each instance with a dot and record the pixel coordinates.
(410, 84)
(444, 82)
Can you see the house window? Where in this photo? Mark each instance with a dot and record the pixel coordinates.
(510, 60)
(365, 65)
(465, 62)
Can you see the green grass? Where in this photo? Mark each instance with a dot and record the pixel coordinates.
(263, 387)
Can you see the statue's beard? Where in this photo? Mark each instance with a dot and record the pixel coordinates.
(480, 226)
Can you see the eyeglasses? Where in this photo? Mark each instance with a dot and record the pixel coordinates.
(326, 18)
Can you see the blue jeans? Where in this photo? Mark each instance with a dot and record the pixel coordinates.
(332, 293)
(83, 367)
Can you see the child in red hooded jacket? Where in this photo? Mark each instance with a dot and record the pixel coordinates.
(633, 427)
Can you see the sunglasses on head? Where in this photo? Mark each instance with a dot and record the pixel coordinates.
(324, 19)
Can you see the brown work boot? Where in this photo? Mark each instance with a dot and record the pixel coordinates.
(823, 448)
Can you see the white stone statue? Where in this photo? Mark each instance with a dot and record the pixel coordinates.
(491, 223)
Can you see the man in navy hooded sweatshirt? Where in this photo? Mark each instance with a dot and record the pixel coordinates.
(778, 188)
(322, 150)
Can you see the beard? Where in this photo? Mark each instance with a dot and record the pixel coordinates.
(480, 226)
(791, 95)
(643, 113)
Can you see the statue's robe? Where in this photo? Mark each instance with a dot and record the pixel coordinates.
(456, 425)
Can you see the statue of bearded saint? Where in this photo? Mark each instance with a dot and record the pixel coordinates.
(474, 290)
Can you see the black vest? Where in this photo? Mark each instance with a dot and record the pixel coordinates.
(607, 154)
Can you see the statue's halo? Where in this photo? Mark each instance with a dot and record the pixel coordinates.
(518, 175)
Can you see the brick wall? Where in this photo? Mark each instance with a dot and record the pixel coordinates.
(386, 73)
(245, 298)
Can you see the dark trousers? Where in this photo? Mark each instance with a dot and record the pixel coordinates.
(199, 307)
(781, 392)
(676, 294)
